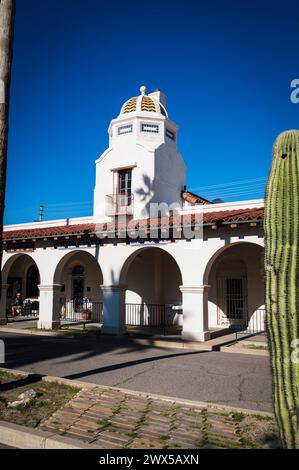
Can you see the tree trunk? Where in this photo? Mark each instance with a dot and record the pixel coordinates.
(7, 15)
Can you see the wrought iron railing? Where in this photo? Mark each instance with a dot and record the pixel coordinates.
(119, 204)
(160, 316)
(249, 321)
(145, 315)
(79, 311)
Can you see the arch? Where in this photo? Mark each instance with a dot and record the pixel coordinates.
(21, 274)
(10, 261)
(152, 279)
(132, 256)
(79, 264)
(219, 252)
(234, 275)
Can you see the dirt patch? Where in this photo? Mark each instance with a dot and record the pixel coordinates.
(259, 431)
(50, 398)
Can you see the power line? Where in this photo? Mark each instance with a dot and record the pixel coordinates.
(232, 183)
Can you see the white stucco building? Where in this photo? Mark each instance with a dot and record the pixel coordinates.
(133, 262)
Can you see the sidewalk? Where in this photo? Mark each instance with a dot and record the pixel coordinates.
(113, 418)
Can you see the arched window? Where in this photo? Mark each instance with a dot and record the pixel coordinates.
(32, 282)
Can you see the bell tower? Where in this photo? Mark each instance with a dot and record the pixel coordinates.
(142, 164)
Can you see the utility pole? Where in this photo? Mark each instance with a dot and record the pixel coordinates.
(41, 212)
(7, 16)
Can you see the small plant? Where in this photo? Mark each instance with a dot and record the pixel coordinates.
(164, 437)
(132, 434)
(237, 416)
(104, 424)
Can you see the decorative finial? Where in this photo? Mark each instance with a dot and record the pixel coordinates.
(143, 90)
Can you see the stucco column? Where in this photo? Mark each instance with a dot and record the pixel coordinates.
(49, 306)
(114, 315)
(3, 302)
(195, 313)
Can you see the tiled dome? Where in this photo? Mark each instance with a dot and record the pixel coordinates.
(143, 103)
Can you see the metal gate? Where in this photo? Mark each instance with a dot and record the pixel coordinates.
(232, 300)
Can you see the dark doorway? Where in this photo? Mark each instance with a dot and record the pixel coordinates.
(32, 282)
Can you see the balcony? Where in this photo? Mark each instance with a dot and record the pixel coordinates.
(119, 204)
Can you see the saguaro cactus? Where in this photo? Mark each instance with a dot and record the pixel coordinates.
(281, 225)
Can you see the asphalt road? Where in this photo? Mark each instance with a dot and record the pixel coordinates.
(231, 379)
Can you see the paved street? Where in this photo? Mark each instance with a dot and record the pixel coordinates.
(231, 379)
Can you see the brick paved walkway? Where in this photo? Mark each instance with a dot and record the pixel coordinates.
(114, 419)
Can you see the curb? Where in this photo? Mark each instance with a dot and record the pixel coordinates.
(23, 331)
(21, 437)
(240, 350)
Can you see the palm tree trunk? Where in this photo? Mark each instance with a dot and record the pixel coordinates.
(7, 15)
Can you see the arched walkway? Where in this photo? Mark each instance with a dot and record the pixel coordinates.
(236, 279)
(20, 276)
(152, 278)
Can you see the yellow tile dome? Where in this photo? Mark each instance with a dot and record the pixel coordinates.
(143, 103)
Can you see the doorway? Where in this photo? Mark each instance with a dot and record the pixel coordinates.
(78, 283)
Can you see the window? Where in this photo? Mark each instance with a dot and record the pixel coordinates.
(154, 128)
(124, 190)
(170, 134)
(125, 129)
(125, 182)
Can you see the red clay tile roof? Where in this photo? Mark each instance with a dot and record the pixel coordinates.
(241, 215)
(79, 229)
(210, 218)
(194, 198)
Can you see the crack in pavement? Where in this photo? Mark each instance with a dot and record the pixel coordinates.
(239, 387)
(134, 376)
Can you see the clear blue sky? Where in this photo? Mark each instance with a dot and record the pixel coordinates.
(225, 66)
